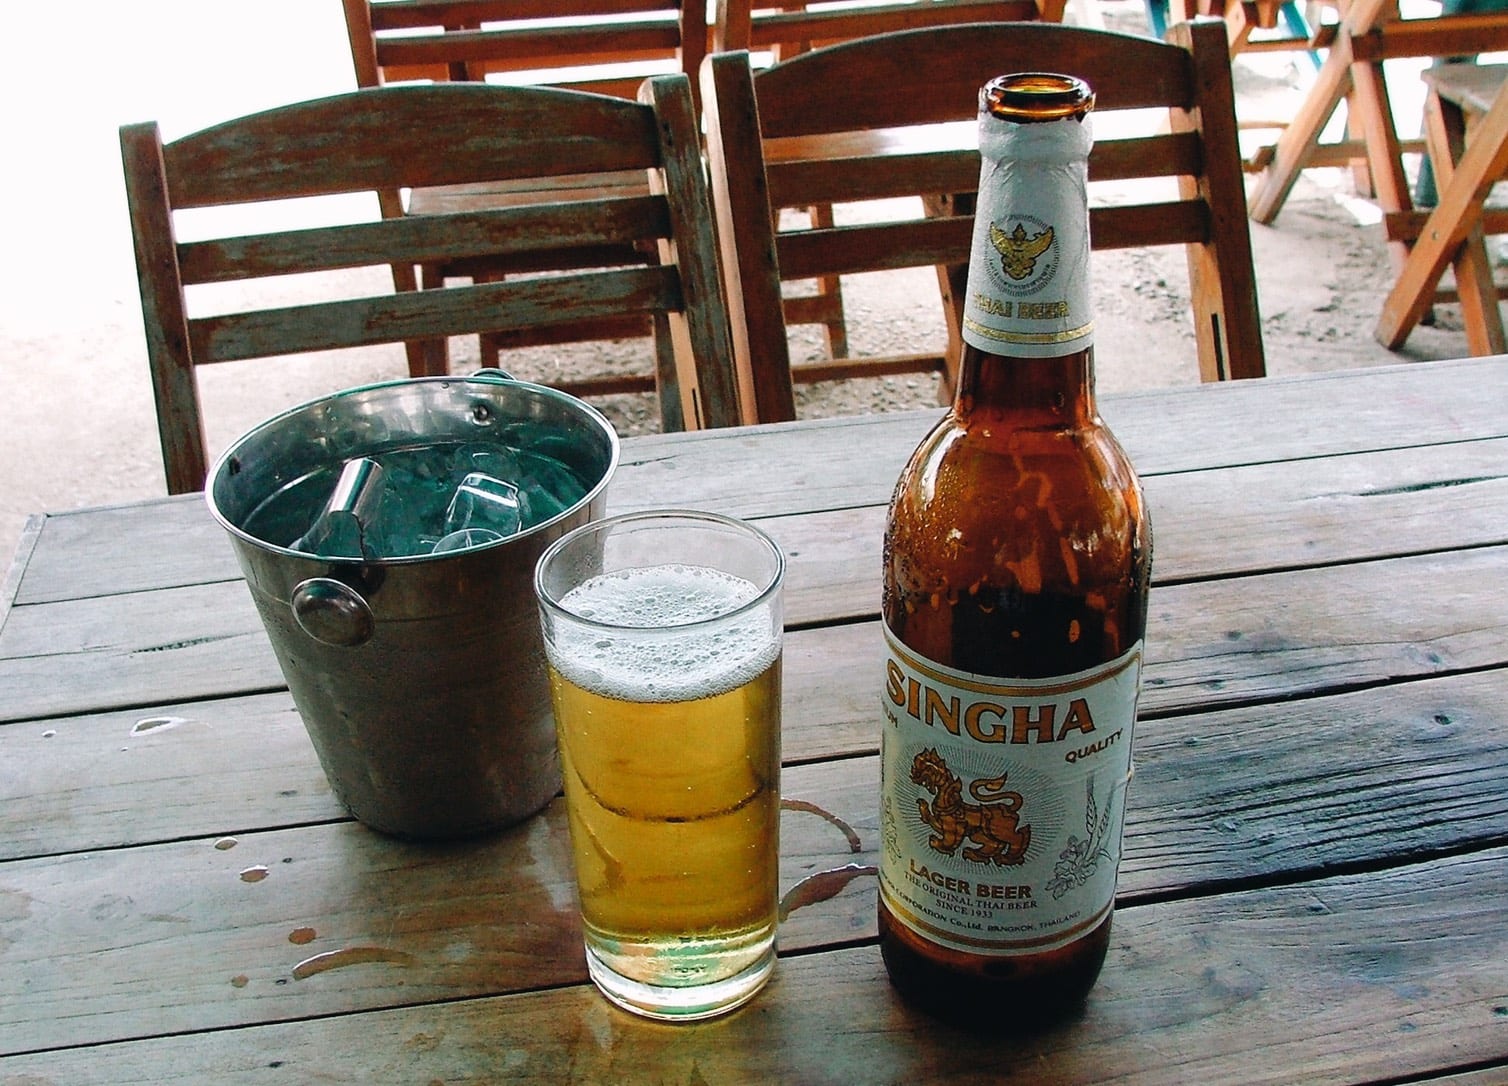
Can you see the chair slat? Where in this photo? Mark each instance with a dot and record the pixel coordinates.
(426, 239)
(1175, 222)
(456, 135)
(1133, 73)
(846, 250)
(408, 14)
(561, 46)
(557, 300)
(884, 176)
(826, 25)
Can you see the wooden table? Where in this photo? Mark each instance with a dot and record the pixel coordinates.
(1315, 882)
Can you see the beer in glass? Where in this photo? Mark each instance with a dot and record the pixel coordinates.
(663, 635)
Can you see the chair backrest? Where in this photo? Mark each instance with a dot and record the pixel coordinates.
(442, 134)
(784, 28)
(894, 115)
(607, 46)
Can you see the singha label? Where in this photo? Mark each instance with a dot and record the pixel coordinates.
(1028, 284)
(1004, 800)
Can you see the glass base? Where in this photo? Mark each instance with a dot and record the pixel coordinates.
(681, 1004)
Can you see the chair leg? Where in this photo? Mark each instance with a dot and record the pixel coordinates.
(435, 353)
(1476, 288)
(667, 377)
(405, 280)
(830, 289)
(952, 284)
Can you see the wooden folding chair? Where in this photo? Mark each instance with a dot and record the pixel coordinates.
(895, 115)
(602, 46)
(1466, 128)
(783, 28)
(1369, 33)
(389, 138)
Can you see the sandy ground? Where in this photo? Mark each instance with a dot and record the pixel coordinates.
(76, 421)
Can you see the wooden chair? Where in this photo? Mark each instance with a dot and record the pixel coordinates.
(602, 46)
(1369, 33)
(593, 45)
(445, 134)
(895, 115)
(1466, 129)
(781, 30)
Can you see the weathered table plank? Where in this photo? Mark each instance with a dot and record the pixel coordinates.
(837, 464)
(1272, 517)
(1236, 989)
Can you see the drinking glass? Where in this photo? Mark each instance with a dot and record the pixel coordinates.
(663, 635)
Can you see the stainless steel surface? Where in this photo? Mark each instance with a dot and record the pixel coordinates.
(421, 679)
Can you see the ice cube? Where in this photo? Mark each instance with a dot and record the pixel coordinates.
(485, 501)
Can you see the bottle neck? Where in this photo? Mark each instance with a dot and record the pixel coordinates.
(1026, 299)
(1050, 393)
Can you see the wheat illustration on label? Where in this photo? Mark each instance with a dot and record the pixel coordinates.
(1019, 250)
(1080, 859)
(993, 824)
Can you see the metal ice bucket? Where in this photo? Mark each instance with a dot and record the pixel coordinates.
(421, 680)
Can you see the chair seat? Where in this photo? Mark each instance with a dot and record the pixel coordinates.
(1473, 87)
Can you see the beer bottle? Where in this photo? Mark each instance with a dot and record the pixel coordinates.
(1016, 564)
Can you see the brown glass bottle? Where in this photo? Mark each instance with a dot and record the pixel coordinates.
(1016, 566)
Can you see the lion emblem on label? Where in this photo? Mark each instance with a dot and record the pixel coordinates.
(992, 825)
(1019, 250)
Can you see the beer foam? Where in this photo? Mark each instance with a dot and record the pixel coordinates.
(663, 662)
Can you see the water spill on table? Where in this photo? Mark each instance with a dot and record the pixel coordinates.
(156, 724)
(854, 845)
(821, 886)
(255, 873)
(351, 955)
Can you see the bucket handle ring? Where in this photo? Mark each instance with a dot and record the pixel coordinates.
(333, 612)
